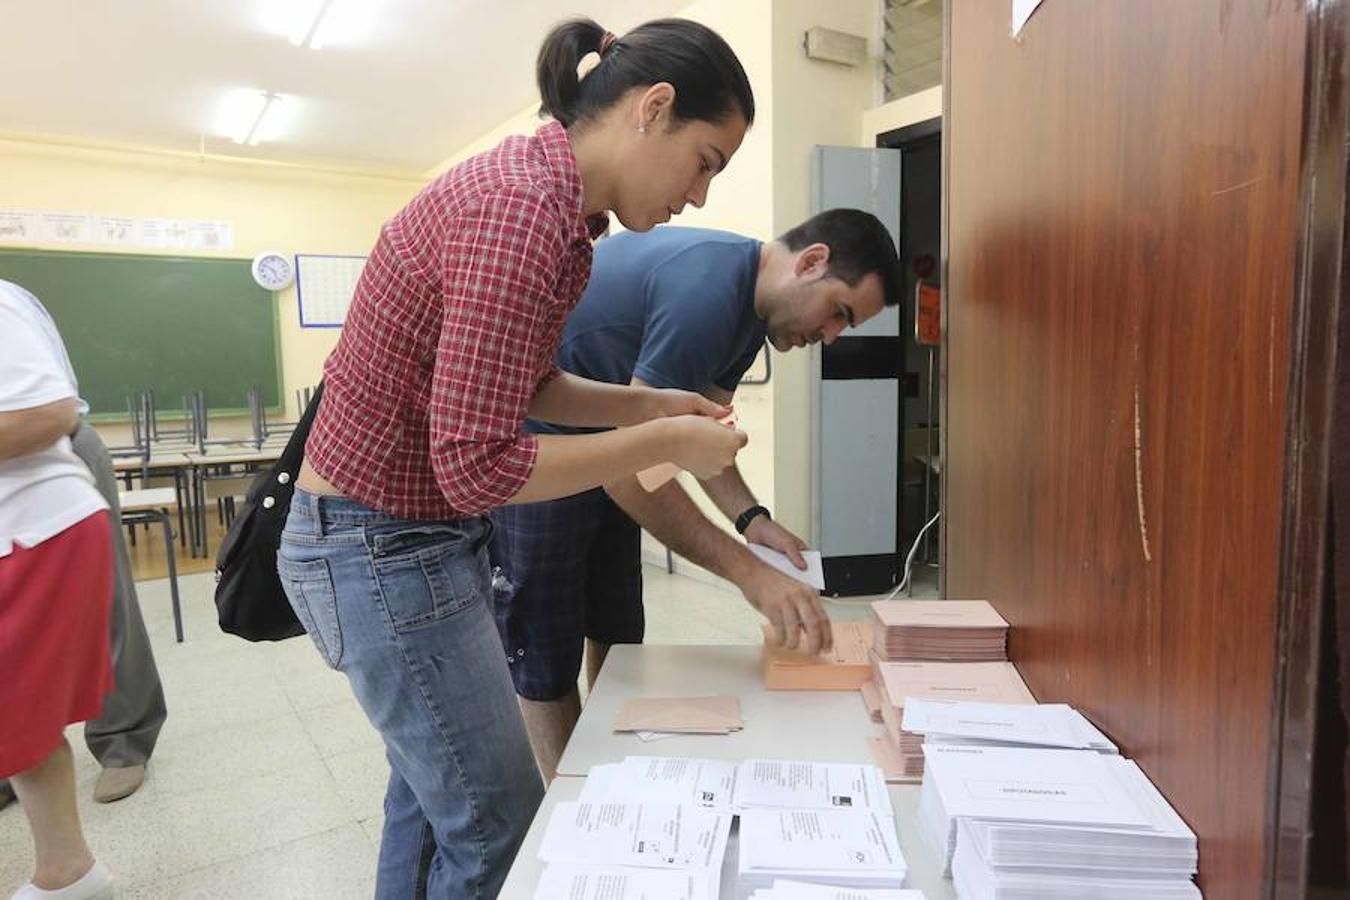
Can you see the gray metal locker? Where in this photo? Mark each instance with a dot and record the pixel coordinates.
(855, 386)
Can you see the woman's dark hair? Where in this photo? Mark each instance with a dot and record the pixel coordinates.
(858, 244)
(708, 79)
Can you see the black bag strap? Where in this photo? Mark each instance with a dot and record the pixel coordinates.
(294, 453)
(288, 463)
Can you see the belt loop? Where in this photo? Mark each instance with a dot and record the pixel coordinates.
(319, 525)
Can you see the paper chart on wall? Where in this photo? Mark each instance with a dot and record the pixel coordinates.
(326, 285)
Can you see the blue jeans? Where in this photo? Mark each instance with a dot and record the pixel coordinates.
(404, 609)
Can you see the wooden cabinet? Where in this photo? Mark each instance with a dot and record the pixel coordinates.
(1144, 208)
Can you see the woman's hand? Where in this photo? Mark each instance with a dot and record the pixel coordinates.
(673, 402)
(703, 446)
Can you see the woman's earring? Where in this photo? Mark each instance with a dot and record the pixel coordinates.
(642, 129)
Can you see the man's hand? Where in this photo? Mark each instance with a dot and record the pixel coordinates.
(792, 608)
(768, 533)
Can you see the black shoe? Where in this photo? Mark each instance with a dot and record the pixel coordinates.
(6, 794)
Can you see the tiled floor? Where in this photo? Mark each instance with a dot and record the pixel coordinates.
(268, 780)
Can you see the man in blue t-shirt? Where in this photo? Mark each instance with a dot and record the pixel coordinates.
(673, 308)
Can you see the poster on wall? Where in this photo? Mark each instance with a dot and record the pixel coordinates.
(65, 228)
(18, 226)
(36, 226)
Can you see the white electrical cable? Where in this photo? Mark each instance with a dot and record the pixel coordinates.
(909, 559)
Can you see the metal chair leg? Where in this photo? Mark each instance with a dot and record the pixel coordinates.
(167, 523)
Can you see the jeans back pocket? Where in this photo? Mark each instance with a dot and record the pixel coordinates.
(425, 572)
(309, 586)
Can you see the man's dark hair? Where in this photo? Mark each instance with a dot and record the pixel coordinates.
(859, 244)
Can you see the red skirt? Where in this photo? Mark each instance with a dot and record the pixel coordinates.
(55, 653)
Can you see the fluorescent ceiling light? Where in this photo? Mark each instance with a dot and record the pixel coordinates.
(274, 120)
(320, 23)
(252, 116)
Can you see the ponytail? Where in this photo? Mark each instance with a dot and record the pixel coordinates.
(710, 83)
(556, 69)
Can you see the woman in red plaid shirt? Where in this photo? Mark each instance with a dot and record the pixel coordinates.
(448, 346)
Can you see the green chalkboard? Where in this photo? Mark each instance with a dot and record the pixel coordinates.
(170, 324)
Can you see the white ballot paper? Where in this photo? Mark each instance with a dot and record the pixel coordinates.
(1061, 787)
(611, 883)
(1043, 725)
(848, 842)
(707, 783)
(814, 574)
(1064, 786)
(645, 835)
(782, 784)
(786, 889)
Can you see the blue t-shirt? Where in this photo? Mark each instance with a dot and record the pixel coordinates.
(672, 306)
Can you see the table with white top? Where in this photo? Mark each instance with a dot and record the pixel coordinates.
(817, 726)
(820, 726)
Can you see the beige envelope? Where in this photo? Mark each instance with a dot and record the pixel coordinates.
(681, 715)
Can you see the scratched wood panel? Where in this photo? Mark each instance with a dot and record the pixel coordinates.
(1121, 196)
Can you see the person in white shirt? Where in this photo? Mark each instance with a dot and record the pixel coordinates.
(124, 736)
(55, 600)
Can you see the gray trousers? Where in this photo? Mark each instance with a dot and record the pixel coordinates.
(134, 712)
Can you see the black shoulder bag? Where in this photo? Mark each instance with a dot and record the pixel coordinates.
(249, 598)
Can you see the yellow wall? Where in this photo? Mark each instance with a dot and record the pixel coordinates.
(271, 207)
(909, 110)
(818, 103)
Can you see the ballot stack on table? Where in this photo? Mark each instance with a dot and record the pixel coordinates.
(934, 650)
(1032, 823)
(660, 827)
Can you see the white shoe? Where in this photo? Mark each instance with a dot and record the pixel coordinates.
(96, 884)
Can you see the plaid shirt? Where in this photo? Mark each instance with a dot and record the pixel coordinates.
(453, 329)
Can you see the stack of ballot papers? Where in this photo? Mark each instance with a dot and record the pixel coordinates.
(847, 848)
(783, 784)
(622, 843)
(844, 667)
(569, 882)
(706, 783)
(944, 630)
(799, 890)
(899, 683)
(654, 716)
(1046, 725)
(734, 787)
(1013, 823)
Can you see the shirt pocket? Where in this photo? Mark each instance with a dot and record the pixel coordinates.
(425, 573)
(309, 587)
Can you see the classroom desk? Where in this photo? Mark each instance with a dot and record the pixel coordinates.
(223, 455)
(175, 465)
(924, 870)
(821, 726)
(148, 506)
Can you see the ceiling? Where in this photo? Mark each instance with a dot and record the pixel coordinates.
(427, 78)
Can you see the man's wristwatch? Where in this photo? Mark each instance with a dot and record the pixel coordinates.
(744, 519)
